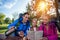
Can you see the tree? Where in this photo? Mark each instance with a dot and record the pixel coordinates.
(2, 16)
(15, 15)
(7, 20)
(28, 8)
(29, 11)
(58, 16)
(12, 19)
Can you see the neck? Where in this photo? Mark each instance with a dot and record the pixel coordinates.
(33, 26)
(23, 21)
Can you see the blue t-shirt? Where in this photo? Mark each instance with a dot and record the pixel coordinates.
(22, 27)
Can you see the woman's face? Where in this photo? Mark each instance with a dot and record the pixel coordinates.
(45, 19)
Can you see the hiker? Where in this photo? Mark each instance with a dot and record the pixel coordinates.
(21, 24)
(49, 29)
(34, 25)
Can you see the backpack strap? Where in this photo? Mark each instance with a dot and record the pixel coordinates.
(16, 33)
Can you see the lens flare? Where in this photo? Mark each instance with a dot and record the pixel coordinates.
(42, 6)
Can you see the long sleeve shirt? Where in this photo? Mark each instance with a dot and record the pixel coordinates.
(51, 33)
(22, 27)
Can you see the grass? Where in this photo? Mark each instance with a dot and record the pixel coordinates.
(4, 25)
(3, 28)
(2, 31)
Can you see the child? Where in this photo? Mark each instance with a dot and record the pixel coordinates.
(34, 25)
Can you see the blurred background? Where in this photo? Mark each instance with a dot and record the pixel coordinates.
(10, 10)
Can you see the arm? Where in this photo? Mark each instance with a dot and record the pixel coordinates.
(28, 26)
(13, 24)
(54, 36)
(41, 27)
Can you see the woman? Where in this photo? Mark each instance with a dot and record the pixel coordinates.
(34, 25)
(49, 29)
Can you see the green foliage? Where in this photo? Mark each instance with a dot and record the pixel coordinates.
(2, 16)
(3, 28)
(28, 8)
(7, 20)
(12, 19)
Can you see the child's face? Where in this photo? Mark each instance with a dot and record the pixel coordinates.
(21, 34)
(34, 22)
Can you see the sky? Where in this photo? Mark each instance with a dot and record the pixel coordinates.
(9, 7)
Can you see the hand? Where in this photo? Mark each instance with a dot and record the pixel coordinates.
(41, 38)
(45, 38)
(12, 27)
(10, 30)
(21, 34)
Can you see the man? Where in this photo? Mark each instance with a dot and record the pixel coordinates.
(23, 26)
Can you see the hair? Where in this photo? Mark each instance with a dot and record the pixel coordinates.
(25, 13)
(34, 19)
(20, 15)
(47, 15)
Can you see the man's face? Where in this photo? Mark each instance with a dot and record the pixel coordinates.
(26, 17)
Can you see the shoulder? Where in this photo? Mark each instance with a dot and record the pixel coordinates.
(41, 25)
(28, 23)
(52, 24)
(31, 28)
(37, 27)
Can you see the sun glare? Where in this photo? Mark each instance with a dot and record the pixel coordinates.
(42, 5)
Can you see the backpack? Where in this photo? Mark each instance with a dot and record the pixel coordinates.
(7, 34)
